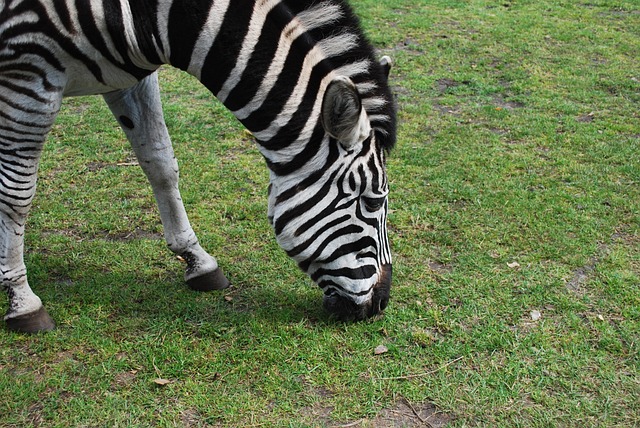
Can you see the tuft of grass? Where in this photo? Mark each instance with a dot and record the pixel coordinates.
(514, 224)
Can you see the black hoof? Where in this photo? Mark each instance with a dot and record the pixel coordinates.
(209, 281)
(34, 322)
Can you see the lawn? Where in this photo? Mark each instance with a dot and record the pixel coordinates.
(515, 229)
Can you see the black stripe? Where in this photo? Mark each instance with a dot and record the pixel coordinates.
(361, 272)
(17, 152)
(324, 284)
(63, 14)
(145, 25)
(9, 102)
(27, 76)
(91, 31)
(312, 179)
(45, 26)
(300, 248)
(115, 28)
(13, 186)
(3, 172)
(223, 54)
(327, 211)
(340, 251)
(22, 123)
(304, 207)
(22, 90)
(301, 158)
(261, 58)
(186, 21)
(36, 50)
(262, 118)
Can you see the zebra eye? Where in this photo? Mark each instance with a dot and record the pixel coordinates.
(373, 204)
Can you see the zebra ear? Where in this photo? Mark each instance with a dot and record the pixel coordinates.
(342, 115)
(386, 63)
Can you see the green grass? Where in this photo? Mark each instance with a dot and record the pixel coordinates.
(519, 142)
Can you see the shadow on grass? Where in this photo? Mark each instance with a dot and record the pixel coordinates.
(155, 301)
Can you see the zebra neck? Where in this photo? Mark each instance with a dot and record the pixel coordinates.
(266, 62)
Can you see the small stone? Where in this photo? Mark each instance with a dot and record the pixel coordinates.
(380, 349)
(535, 315)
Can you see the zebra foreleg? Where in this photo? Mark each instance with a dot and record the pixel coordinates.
(139, 111)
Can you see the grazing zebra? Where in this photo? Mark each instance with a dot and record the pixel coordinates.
(299, 74)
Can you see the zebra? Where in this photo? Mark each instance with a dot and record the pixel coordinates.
(300, 75)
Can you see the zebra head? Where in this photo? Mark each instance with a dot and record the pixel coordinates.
(331, 218)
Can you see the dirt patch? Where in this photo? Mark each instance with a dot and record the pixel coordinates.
(443, 85)
(409, 46)
(439, 267)
(619, 13)
(134, 235)
(191, 418)
(446, 109)
(507, 104)
(585, 118)
(123, 379)
(404, 414)
(582, 274)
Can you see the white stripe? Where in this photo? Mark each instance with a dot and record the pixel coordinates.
(98, 12)
(289, 152)
(207, 37)
(134, 51)
(164, 8)
(256, 24)
(317, 16)
(335, 45)
(379, 118)
(354, 69)
(366, 87)
(373, 103)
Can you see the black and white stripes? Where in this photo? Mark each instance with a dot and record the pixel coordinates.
(299, 74)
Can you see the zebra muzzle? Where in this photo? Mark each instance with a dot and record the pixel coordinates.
(345, 308)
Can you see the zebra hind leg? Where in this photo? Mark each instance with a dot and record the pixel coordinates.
(26, 314)
(26, 116)
(139, 111)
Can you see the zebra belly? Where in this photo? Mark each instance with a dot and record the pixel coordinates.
(81, 81)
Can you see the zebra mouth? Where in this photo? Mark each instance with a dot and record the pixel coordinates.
(345, 308)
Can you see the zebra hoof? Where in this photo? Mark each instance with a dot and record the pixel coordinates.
(34, 322)
(209, 281)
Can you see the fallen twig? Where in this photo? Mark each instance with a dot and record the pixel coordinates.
(411, 376)
(408, 403)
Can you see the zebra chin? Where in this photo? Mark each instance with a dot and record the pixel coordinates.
(345, 308)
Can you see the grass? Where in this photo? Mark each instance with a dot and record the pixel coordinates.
(515, 189)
